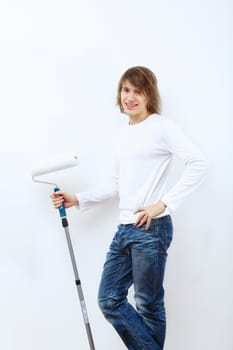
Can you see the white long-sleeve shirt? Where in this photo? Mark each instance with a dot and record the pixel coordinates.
(143, 157)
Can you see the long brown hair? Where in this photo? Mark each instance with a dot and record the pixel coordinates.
(144, 80)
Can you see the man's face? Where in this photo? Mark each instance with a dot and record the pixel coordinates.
(133, 100)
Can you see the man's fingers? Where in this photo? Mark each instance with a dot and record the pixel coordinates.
(56, 194)
(138, 210)
(148, 223)
(138, 219)
(57, 199)
(141, 220)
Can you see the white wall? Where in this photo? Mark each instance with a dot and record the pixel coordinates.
(60, 64)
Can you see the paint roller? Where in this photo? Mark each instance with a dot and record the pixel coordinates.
(61, 162)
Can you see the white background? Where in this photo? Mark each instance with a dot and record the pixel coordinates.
(60, 62)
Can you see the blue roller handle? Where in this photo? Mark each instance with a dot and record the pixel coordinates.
(62, 210)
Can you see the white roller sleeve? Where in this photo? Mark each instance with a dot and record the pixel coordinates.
(58, 162)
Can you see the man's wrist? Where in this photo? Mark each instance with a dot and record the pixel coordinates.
(75, 201)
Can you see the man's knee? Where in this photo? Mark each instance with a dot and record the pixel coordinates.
(105, 305)
(108, 304)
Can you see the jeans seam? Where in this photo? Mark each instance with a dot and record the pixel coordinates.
(166, 235)
(116, 276)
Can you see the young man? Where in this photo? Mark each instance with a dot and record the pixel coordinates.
(138, 251)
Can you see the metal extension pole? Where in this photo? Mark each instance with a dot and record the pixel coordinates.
(78, 285)
(77, 279)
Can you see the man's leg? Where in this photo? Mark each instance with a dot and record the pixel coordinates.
(115, 282)
(148, 267)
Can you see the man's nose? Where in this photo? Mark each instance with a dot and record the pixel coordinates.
(130, 96)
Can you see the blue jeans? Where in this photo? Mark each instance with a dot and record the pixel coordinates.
(137, 257)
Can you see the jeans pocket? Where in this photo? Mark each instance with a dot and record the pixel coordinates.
(143, 229)
(161, 230)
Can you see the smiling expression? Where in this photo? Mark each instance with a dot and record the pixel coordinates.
(133, 100)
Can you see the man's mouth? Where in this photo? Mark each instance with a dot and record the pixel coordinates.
(131, 105)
